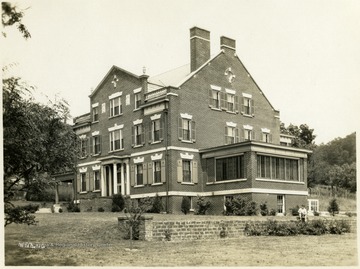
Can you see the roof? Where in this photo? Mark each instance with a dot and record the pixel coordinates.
(171, 77)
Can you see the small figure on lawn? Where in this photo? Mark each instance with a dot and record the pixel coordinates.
(302, 213)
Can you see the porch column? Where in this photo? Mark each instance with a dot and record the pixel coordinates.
(122, 180)
(115, 178)
(110, 183)
(127, 178)
(102, 179)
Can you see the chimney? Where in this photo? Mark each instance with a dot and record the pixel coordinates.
(199, 47)
(227, 44)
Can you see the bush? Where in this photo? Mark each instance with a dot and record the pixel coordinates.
(157, 205)
(60, 210)
(272, 212)
(333, 207)
(264, 211)
(203, 205)
(118, 203)
(240, 207)
(100, 209)
(31, 208)
(185, 205)
(295, 211)
(72, 207)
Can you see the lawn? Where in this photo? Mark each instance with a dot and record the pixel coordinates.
(93, 239)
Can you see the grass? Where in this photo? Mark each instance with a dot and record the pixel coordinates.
(105, 247)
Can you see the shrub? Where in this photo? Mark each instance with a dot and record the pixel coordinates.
(157, 205)
(240, 207)
(118, 203)
(31, 208)
(60, 210)
(185, 205)
(72, 207)
(333, 207)
(203, 205)
(295, 211)
(272, 212)
(100, 209)
(264, 211)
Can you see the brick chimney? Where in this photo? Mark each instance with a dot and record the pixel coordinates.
(227, 44)
(199, 47)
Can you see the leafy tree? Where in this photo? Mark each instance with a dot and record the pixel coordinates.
(185, 205)
(303, 136)
(37, 141)
(12, 16)
(333, 207)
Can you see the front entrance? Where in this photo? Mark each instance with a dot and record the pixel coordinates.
(115, 179)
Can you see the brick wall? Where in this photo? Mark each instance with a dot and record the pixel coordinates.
(179, 230)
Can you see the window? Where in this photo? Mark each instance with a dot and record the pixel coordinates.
(96, 144)
(83, 182)
(230, 168)
(248, 106)
(115, 107)
(277, 168)
(95, 114)
(156, 131)
(215, 98)
(83, 144)
(248, 134)
(313, 205)
(230, 102)
(186, 130)
(266, 137)
(231, 135)
(186, 169)
(157, 172)
(137, 100)
(139, 174)
(96, 180)
(138, 135)
(116, 140)
(280, 204)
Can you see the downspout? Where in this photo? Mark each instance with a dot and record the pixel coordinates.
(167, 136)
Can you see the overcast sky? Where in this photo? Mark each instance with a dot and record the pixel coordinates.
(304, 55)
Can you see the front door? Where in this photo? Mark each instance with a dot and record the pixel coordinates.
(280, 204)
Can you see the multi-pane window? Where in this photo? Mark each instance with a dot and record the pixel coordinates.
(248, 134)
(96, 144)
(186, 129)
(230, 168)
(116, 140)
(83, 182)
(139, 174)
(83, 144)
(215, 99)
(157, 172)
(230, 102)
(138, 135)
(277, 168)
(96, 180)
(186, 170)
(156, 130)
(115, 107)
(248, 106)
(231, 135)
(280, 204)
(137, 100)
(266, 137)
(95, 114)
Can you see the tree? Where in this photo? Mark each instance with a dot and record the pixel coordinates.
(185, 205)
(12, 16)
(303, 136)
(37, 141)
(333, 207)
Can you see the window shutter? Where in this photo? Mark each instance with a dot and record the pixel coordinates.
(237, 138)
(91, 147)
(132, 176)
(210, 169)
(163, 171)
(270, 138)
(145, 177)
(161, 129)
(143, 134)
(253, 135)
(87, 177)
(252, 107)
(150, 174)
(100, 144)
(180, 129)
(242, 135)
(193, 131)
(179, 171)
(133, 136)
(236, 104)
(242, 105)
(78, 183)
(223, 103)
(195, 172)
(211, 104)
(226, 135)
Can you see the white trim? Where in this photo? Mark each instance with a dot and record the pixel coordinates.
(95, 105)
(265, 130)
(147, 152)
(196, 36)
(82, 137)
(215, 88)
(187, 156)
(138, 121)
(231, 124)
(247, 95)
(95, 133)
(156, 157)
(171, 93)
(230, 91)
(183, 149)
(137, 90)
(155, 117)
(226, 181)
(96, 167)
(247, 127)
(280, 181)
(116, 127)
(139, 160)
(186, 116)
(83, 170)
(89, 163)
(226, 46)
(114, 95)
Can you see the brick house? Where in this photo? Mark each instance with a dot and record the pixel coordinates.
(203, 129)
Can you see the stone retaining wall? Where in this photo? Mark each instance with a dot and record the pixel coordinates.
(153, 230)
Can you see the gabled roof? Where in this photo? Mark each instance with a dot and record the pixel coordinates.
(114, 67)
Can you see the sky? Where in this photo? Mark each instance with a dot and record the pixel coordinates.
(304, 55)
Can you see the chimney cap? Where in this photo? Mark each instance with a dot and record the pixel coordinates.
(199, 32)
(226, 42)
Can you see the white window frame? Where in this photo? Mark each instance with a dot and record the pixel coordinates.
(96, 138)
(137, 172)
(95, 114)
(99, 179)
(112, 140)
(190, 170)
(137, 100)
(82, 182)
(112, 106)
(154, 171)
